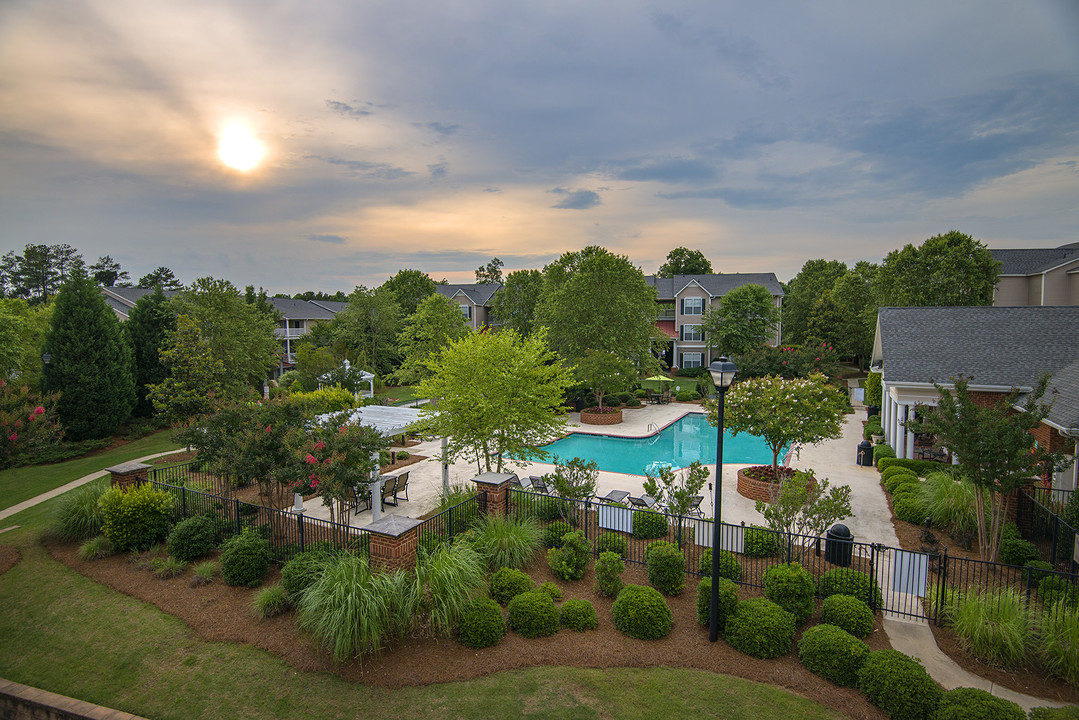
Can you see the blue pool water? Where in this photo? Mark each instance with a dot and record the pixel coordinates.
(679, 444)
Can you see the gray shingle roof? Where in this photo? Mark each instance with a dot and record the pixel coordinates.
(478, 293)
(1030, 262)
(716, 285)
(300, 309)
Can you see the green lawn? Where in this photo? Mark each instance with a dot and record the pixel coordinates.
(400, 393)
(18, 484)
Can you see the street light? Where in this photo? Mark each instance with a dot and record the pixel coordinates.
(722, 372)
(46, 359)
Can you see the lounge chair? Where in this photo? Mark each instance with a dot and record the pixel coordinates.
(644, 502)
(614, 496)
(695, 506)
(538, 485)
(525, 483)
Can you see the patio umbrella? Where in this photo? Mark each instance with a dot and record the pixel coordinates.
(656, 380)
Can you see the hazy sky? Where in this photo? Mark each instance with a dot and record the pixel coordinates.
(435, 135)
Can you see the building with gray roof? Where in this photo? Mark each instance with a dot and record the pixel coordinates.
(474, 300)
(1038, 276)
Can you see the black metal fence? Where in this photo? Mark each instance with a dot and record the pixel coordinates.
(443, 527)
(1038, 515)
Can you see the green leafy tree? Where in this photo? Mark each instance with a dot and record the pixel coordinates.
(825, 320)
(499, 395)
(368, 328)
(949, 269)
(107, 273)
(683, 261)
(9, 275)
(745, 318)
(802, 293)
(782, 412)
(194, 375)
(575, 479)
(149, 328)
(436, 323)
(676, 489)
(490, 273)
(312, 362)
(92, 366)
(39, 272)
(514, 305)
(312, 295)
(855, 295)
(161, 276)
(409, 289)
(994, 448)
(801, 507)
(604, 372)
(22, 334)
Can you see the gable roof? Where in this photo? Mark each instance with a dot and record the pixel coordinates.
(478, 293)
(1034, 261)
(716, 285)
(300, 309)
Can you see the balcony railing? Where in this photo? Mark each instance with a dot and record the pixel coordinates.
(289, 333)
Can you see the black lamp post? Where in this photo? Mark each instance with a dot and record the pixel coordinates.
(722, 372)
(46, 359)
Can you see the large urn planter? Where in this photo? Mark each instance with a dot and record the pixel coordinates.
(589, 416)
(756, 488)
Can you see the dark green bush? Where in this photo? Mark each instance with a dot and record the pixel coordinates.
(903, 477)
(302, 571)
(920, 467)
(569, 561)
(974, 704)
(845, 581)
(728, 601)
(508, 583)
(192, 538)
(551, 589)
(633, 402)
(611, 542)
(873, 427)
(245, 558)
(909, 509)
(579, 615)
(760, 628)
(609, 569)
(849, 613)
(666, 567)
(136, 519)
(833, 653)
(641, 612)
(649, 525)
(533, 614)
(481, 624)
(641, 393)
(729, 567)
(882, 451)
(686, 396)
(1053, 588)
(898, 685)
(760, 542)
(1010, 531)
(1038, 570)
(890, 472)
(625, 397)
(1018, 552)
(791, 587)
(1055, 713)
(553, 533)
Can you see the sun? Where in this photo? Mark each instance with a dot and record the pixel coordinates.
(238, 148)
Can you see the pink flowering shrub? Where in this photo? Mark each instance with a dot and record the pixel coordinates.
(25, 425)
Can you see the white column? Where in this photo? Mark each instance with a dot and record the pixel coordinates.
(893, 423)
(901, 419)
(885, 412)
(910, 435)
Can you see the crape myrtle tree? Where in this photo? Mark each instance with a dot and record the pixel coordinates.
(149, 328)
(92, 365)
(994, 448)
(499, 395)
(514, 305)
(949, 269)
(683, 261)
(435, 324)
(745, 318)
(410, 288)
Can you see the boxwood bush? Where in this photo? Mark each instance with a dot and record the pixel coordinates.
(1018, 552)
(551, 589)
(611, 542)
(974, 704)
(553, 533)
(508, 583)
(903, 477)
(245, 558)
(921, 468)
(728, 601)
(649, 525)
(760, 628)
(533, 614)
(1054, 588)
(136, 519)
(569, 561)
(609, 569)
(1055, 713)
(882, 451)
(666, 567)
(641, 612)
(791, 587)
(846, 581)
(898, 685)
(579, 615)
(760, 542)
(192, 538)
(849, 613)
(890, 472)
(909, 509)
(302, 571)
(729, 567)
(481, 624)
(833, 653)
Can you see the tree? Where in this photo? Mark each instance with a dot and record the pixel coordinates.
(802, 293)
(993, 446)
(677, 489)
(107, 273)
(161, 276)
(683, 261)
(312, 362)
(28, 424)
(368, 328)
(854, 293)
(38, 273)
(801, 508)
(22, 334)
(92, 366)
(9, 275)
(409, 288)
(194, 375)
(825, 320)
(745, 318)
(310, 295)
(596, 300)
(490, 273)
(949, 269)
(149, 327)
(604, 372)
(436, 323)
(574, 479)
(499, 395)
(782, 412)
(514, 305)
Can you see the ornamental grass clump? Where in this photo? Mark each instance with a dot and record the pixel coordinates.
(729, 567)
(270, 602)
(1058, 642)
(167, 567)
(78, 516)
(245, 558)
(728, 601)
(506, 541)
(994, 626)
(579, 615)
(666, 567)
(833, 653)
(204, 573)
(974, 704)
(790, 586)
(94, 548)
(569, 561)
(849, 613)
(760, 628)
(949, 503)
(481, 624)
(507, 583)
(899, 685)
(845, 581)
(533, 614)
(446, 580)
(641, 612)
(609, 568)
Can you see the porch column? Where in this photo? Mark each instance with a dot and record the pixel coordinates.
(885, 412)
(910, 435)
(893, 422)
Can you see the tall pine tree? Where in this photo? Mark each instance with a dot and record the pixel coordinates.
(149, 327)
(92, 364)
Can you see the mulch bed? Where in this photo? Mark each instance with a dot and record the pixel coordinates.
(9, 557)
(217, 612)
(174, 458)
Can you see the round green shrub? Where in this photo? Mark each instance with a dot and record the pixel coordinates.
(882, 451)
(729, 567)
(245, 558)
(901, 480)
(849, 613)
(907, 486)
(533, 614)
(611, 542)
(192, 538)
(1038, 570)
(898, 685)
(889, 472)
(833, 653)
(641, 393)
(974, 704)
(579, 615)
(301, 572)
(873, 427)
(909, 509)
(553, 533)
(791, 587)
(508, 583)
(609, 569)
(685, 396)
(641, 612)
(1053, 589)
(666, 567)
(137, 518)
(728, 601)
(760, 542)
(1055, 713)
(1010, 531)
(1018, 552)
(551, 589)
(760, 628)
(649, 525)
(481, 624)
(633, 402)
(845, 581)
(569, 561)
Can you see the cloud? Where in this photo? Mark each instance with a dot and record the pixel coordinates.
(365, 168)
(437, 171)
(348, 110)
(334, 239)
(575, 199)
(665, 169)
(442, 129)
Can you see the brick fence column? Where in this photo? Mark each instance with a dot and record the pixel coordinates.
(128, 474)
(495, 487)
(393, 542)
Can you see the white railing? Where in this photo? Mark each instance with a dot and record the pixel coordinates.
(289, 333)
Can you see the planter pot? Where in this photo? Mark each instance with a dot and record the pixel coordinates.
(595, 418)
(758, 489)
(877, 439)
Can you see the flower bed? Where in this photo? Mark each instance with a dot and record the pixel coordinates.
(595, 416)
(757, 482)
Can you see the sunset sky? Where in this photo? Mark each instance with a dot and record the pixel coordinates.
(435, 135)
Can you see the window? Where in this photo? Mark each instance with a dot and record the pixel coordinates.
(466, 310)
(692, 306)
(691, 360)
(692, 333)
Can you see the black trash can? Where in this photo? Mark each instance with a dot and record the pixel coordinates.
(871, 410)
(865, 454)
(839, 545)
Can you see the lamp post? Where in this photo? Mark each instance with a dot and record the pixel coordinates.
(46, 359)
(722, 372)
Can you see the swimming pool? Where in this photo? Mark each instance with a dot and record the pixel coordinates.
(679, 444)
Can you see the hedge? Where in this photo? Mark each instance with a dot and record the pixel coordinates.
(920, 467)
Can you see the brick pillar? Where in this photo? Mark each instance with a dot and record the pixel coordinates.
(496, 489)
(393, 542)
(128, 474)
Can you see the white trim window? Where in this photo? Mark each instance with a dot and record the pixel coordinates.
(693, 306)
(692, 333)
(691, 360)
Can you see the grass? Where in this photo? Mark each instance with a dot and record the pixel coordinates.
(270, 602)
(19, 484)
(995, 627)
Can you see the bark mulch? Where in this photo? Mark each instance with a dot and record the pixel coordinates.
(217, 613)
(9, 557)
